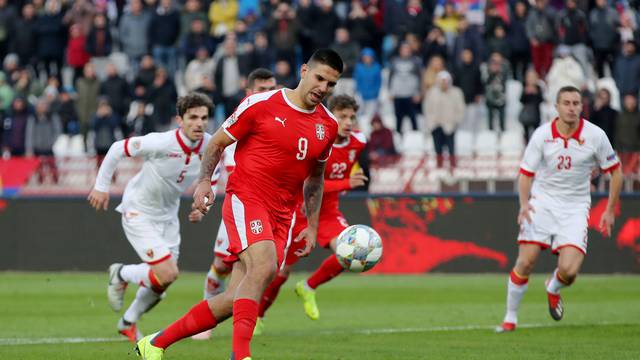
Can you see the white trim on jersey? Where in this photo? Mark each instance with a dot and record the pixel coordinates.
(229, 134)
(248, 102)
(359, 136)
(328, 156)
(238, 217)
(294, 106)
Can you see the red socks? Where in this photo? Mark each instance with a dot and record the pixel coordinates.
(270, 294)
(245, 313)
(329, 269)
(197, 320)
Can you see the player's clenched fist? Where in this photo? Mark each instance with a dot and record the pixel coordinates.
(357, 179)
(99, 200)
(195, 216)
(203, 197)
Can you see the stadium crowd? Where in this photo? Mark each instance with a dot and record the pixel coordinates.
(112, 69)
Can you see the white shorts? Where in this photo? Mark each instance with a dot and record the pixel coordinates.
(555, 228)
(221, 247)
(154, 241)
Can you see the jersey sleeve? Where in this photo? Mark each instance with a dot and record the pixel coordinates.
(532, 156)
(131, 147)
(242, 121)
(605, 155)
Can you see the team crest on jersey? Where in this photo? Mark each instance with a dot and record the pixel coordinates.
(256, 226)
(581, 141)
(352, 155)
(320, 131)
(136, 144)
(150, 253)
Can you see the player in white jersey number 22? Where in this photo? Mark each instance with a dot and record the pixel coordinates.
(150, 206)
(554, 191)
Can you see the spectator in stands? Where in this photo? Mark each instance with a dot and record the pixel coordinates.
(368, 77)
(540, 31)
(77, 55)
(325, 25)
(144, 78)
(134, 27)
(26, 86)
(191, 11)
(435, 45)
(23, 38)
(7, 94)
(495, 89)
(603, 32)
(626, 71)
(51, 36)
(492, 19)
(105, 128)
(284, 77)
(564, 71)
(446, 107)
(572, 30)
(306, 15)
(163, 96)
(530, 99)
(195, 39)
(42, 132)
(7, 18)
(448, 21)
(222, 15)
(380, 145)
(228, 73)
(81, 13)
(284, 28)
(139, 120)
(197, 69)
(468, 38)
(263, 55)
(361, 26)
(519, 42)
(65, 108)
(468, 78)
(498, 43)
(248, 8)
(404, 85)
(15, 128)
(349, 51)
(418, 19)
(604, 115)
(88, 88)
(628, 134)
(164, 30)
(115, 89)
(99, 39)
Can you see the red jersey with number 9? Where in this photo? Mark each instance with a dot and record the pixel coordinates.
(278, 144)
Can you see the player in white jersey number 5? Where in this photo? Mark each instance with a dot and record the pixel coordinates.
(150, 206)
(554, 189)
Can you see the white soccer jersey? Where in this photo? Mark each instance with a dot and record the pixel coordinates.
(172, 164)
(562, 167)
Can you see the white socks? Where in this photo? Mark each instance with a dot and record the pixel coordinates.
(516, 288)
(136, 274)
(555, 284)
(214, 283)
(144, 301)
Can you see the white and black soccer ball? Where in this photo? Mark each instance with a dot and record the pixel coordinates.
(358, 248)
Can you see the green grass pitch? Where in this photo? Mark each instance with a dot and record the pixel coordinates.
(361, 317)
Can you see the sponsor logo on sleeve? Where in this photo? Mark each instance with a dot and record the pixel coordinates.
(611, 157)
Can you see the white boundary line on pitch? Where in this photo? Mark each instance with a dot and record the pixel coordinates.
(81, 340)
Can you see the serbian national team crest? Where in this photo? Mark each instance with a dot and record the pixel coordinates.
(256, 226)
(320, 131)
(352, 155)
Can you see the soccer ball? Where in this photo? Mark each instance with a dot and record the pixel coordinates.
(358, 248)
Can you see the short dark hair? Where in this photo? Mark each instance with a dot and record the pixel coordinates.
(193, 100)
(259, 74)
(340, 102)
(567, 89)
(327, 57)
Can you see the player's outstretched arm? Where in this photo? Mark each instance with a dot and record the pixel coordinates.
(203, 196)
(99, 196)
(608, 216)
(524, 192)
(312, 191)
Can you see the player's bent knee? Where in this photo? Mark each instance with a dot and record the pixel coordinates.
(221, 267)
(567, 274)
(524, 266)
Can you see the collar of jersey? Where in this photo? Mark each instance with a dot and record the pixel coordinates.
(294, 106)
(343, 144)
(576, 134)
(187, 150)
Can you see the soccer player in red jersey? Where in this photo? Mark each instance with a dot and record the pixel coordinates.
(344, 155)
(284, 138)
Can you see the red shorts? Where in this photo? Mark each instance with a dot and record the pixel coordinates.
(249, 222)
(329, 227)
